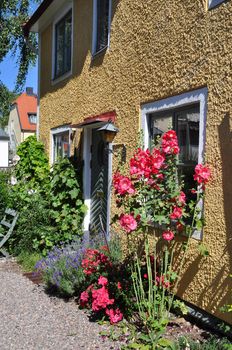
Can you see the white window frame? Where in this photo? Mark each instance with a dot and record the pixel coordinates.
(94, 32)
(57, 131)
(59, 16)
(185, 99)
(214, 3)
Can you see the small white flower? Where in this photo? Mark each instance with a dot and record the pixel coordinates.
(13, 180)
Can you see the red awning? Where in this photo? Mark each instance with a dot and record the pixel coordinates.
(105, 117)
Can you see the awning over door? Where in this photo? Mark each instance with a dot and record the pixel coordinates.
(104, 117)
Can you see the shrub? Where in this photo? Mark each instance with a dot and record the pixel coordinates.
(66, 203)
(4, 178)
(28, 260)
(33, 164)
(61, 268)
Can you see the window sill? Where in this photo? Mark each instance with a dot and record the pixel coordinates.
(61, 77)
(214, 3)
(100, 52)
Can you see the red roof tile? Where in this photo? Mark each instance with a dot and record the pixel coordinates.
(26, 104)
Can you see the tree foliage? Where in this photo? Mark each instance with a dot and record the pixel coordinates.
(6, 99)
(13, 14)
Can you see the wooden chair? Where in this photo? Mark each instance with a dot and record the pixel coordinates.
(9, 222)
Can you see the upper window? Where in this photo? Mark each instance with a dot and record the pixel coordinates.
(63, 45)
(101, 25)
(32, 118)
(213, 3)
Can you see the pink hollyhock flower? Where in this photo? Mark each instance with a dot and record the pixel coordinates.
(160, 281)
(128, 222)
(170, 143)
(114, 315)
(123, 184)
(103, 281)
(202, 174)
(119, 285)
(168, 235)
(140, 164)
(157, 160)
(84, 298)
(101, 299)
(182, 198)
(176, 214)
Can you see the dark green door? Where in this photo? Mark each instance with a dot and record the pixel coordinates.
(99, 184)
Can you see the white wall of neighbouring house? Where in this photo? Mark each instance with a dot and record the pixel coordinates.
(4, 153)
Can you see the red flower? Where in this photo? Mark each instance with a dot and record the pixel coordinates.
(145, 276)
(170, 143)
(128, 222)
(176, 214)
(140, 164)
(182, 198)
(92, 259)
(119, 285)
(160, 281)
(168, 235)
(202, 174)
(123, 184)
(101, 299)
(114, 315)
(103, 281)
(84, 298)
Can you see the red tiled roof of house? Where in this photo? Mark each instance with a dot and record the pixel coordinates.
(26, 104)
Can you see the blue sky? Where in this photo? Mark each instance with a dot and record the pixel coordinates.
(8, 73)
(9, 68)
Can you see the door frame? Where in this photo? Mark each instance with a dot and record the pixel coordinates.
(87, 172)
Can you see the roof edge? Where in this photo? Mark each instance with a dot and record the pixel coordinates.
(36, 15)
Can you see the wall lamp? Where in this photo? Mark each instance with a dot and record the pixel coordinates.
(108, 131)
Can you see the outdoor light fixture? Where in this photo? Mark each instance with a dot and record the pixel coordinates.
(108, 132)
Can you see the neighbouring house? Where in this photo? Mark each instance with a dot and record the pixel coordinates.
(23, 118)
(4, 149)
(144, 65)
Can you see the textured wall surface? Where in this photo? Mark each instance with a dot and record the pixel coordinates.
(159, 49)
(14, 124)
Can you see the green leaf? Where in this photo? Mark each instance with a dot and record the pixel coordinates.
(74, 193)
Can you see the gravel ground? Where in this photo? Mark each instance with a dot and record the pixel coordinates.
(31, 320)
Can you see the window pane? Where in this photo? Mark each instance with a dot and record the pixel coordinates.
(159, 125)
(102, 24)
(61, 145)
(63, 45)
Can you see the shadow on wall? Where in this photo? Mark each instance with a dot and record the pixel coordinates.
(225, 139)
(220, 287)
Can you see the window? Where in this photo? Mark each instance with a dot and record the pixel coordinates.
(61, 144)
(213, 3)
(185, 121)
(63, 45)
(101, 25)
(32, 118)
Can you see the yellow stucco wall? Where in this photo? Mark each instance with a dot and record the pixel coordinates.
(158, 49)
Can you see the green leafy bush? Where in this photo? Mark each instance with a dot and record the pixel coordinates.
(28, 260)
(66, 203)
(4, 178)
(33, 164)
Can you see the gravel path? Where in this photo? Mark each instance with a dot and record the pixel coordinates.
(31, 320)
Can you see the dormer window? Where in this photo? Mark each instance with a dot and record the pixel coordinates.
(32, 118)
(63, 45)
(101, 25)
